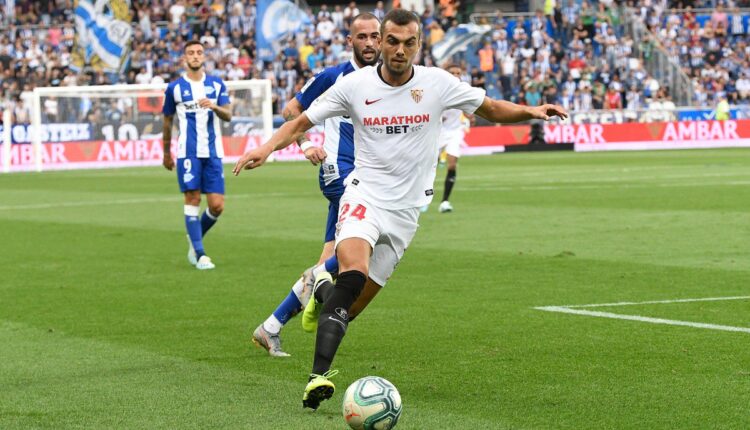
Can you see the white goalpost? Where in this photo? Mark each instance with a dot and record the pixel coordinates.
(120, 125)
(6, 140)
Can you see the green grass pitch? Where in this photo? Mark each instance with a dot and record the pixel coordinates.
(103, 324)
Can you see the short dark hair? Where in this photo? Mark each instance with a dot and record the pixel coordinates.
(191, 43)
(365, 16)
(400, 17)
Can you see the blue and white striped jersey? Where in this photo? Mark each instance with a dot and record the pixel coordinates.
(200, 131)
(339, 132)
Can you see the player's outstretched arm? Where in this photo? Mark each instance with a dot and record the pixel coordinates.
(291, 111)
(500, 111)
(288, 133)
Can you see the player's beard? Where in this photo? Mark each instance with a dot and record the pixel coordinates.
(361, 59)
(195, 69)
(395, 72)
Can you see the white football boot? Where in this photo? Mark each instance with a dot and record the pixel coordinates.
(269, 341)
(445, 207)
(204, 263)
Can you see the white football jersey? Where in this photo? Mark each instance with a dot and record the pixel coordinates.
(396, 130)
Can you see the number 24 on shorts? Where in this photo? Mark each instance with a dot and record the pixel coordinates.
(358, 212)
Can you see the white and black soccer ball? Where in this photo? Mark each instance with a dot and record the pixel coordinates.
(372, 403)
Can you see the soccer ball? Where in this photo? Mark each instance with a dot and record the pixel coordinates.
(372, 403)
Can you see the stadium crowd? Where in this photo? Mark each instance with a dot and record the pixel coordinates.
(575, 52)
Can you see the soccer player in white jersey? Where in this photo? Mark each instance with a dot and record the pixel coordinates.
(337, 161)
(395, 109)
(199, 101)
(452, 136)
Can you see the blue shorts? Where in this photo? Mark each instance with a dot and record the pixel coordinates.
(333, 217)
(204, 174)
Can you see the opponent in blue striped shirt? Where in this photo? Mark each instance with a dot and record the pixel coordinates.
(199, 101)
(337, 161)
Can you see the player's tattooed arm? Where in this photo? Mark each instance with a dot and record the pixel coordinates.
(167, 161)
(291, 111)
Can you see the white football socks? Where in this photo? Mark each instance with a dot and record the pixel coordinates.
(272, 325)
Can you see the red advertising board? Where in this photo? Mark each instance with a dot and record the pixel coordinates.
(479, 140)
(655, 135)
(619, 137)
(486, 140)
(143, 152)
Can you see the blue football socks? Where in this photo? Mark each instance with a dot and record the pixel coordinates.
(193, 227)
(290, 307)
(207, 221)
(332, 264)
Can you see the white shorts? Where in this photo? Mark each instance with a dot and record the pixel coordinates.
(388, 232)
(452, 141)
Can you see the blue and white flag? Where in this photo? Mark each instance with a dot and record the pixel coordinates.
(275, 21)
(456, 40)
(103, 35)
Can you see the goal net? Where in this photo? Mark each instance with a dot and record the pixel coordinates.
(121, 125)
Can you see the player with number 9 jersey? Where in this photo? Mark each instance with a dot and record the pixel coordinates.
(200, 102)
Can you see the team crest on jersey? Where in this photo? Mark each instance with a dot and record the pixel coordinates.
(210, 90)
(417, 95)
(186, 93)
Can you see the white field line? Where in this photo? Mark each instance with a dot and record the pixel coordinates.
(176, 198)
(652, 302)
(575, 309)
(604, 186)
(583, 173)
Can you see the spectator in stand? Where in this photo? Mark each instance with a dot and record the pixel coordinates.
(722, 110)
(350, 12)
(551, 95)
(436, 34)
(235, 72)
(585, 101)
(477, 78)
(325, 28)
(486, 58)
(719, 17)
(598, 92)
(448, 9)
(633, 98)
(337, 17)
(176, 11)
(508, 67)
(576, 67)
(379, 10)
(323, 12)
(570, 12)
(743, 86)
(613, 99)
(533, 96)
(587, 17)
